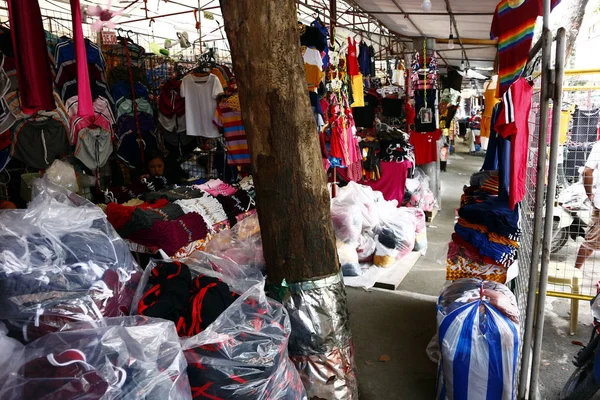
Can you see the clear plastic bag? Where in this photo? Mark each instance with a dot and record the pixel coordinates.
(11, 352)
(418, 193)
(363, 197)
(397, 227)
(63, 174)
(348, 258)
(242, 244)
(478, 333)
(61, 261)
(347, 221)
(243, 354)
(123, 358)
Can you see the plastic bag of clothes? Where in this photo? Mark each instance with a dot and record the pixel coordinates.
(61, 261)
(347, 221)
(243, 354)
(365, 198)
(397, 231)
(121, 358)
(418, 193)
(241, 244)
(478, 330)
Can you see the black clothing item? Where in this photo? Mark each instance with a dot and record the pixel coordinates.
(388, 238)
(392, 107)
(235, 204)
(431, 104)
(313, 37)
(168, 297)
(585, 126)
(144, 219)
(576, 157)
(209, 297)
(372, 55)
(364, 117)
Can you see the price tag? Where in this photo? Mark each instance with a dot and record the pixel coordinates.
(109, 37)
(209, 15)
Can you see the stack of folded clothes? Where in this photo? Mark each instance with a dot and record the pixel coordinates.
(487, 233)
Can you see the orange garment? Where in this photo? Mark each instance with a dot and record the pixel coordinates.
(490, 97)
(479, 228)
(496, 238)
(486, 125)
(216, 72)
(314, 76)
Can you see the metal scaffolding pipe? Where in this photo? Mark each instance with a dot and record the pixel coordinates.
(551, 193)
(546, 41)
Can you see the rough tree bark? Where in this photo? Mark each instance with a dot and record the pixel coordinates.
(290, 183)
(571, 19)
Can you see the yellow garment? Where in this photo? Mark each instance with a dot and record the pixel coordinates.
(565, 118)
(219, 75)
(358, 91)
(486, 125)
(461, 267)
(490, 98)
(314, 76)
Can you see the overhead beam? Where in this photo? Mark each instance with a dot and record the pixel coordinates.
(479, 42)
(463, 14)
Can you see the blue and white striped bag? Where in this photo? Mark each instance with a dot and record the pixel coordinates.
(479, 345)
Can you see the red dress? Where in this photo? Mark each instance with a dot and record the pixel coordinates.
(352, 59)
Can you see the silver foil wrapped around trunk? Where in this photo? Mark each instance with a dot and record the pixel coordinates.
(321, 344)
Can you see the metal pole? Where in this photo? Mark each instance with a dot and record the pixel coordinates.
(539, 199)
(557, 103)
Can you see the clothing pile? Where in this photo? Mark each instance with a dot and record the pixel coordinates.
(478, 336)
(370, 229)
(61, 262)
(174, 218)
(234, 337)
(127, 358)
(486, 238)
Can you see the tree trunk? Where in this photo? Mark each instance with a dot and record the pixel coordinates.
(571, 20)
(290, 182)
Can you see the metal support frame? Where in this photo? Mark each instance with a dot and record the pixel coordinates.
(546, 41)
(551, 193)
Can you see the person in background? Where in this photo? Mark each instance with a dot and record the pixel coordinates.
(159, 173)
(592, 237)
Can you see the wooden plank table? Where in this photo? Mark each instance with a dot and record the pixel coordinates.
(395, 274)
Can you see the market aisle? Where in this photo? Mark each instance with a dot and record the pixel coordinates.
(400, 324)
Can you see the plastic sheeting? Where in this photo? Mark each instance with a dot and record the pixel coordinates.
(120, 358)
(61, 261)
(478, 334)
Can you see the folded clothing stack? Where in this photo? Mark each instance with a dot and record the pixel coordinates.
(487, 233)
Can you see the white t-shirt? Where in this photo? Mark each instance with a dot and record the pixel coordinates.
(593, 162)
(200, 104)
(313, 57)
